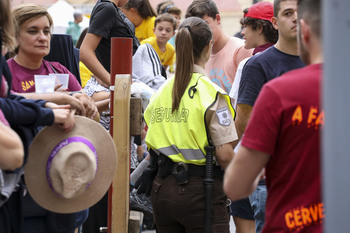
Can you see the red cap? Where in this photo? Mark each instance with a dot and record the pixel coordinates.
(260, 10)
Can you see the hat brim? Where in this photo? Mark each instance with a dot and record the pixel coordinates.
(42, 146)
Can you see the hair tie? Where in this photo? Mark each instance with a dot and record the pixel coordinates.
(167, 8)
(188, 28)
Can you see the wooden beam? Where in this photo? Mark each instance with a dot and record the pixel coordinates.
(135, 116)
(135, 221)
(121, 136)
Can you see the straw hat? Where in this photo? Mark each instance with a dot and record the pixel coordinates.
(69, 172)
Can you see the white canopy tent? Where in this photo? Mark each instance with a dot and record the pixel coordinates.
(62, 13)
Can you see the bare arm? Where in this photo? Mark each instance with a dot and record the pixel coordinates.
(59, 98)
(224, 154)
(244, 172)
(101, 95)
(243, 115)
(82, 103)
(88, 57)
(101, 99)
(102, 105)
(11, 148)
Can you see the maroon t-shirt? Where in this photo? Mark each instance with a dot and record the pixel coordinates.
(23, 78)
(286, 123)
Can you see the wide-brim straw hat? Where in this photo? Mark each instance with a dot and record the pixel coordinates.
(54, 154)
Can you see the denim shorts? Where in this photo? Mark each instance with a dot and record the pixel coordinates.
(258, 201)
(242, 209)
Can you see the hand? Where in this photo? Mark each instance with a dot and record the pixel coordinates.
(75, 104)
(144, 183)
(88, 103)
(57, 86)
(51, 105)
(64, 117)
(63, 99)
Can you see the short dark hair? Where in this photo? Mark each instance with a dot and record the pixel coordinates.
(77, 14)
(310, 11)
(277, 7)
(200, 8)
(165, 17)
(269, 32)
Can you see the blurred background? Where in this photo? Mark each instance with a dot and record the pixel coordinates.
(62, 11)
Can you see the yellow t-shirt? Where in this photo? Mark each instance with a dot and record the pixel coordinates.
(145, 30)
(167, 57)
(85, 74)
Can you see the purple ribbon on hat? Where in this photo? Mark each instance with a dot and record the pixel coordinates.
(57, 148)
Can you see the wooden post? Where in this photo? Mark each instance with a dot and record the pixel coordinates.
(135, 221)
(118, 194)
(135, 116)
(121, 132)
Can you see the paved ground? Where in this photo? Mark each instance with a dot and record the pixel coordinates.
(232, 228)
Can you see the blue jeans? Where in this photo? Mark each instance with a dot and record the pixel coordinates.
(258, 202)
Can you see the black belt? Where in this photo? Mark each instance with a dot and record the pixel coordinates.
(167, 167)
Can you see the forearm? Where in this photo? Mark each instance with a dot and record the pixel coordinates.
(242, 118)
(102, 105)
(224, 154)
(243, 173)
(55, 97)
(102, 100)
(235, 186)
(102, 95)
(90, 60)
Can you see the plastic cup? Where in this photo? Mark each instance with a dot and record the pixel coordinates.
(61, 79)
(44, 84)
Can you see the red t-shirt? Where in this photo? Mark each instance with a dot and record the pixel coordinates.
(285, 123)
(23, 78)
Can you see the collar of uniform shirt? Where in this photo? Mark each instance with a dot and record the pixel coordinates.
(198, 69)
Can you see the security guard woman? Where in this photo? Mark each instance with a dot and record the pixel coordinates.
(188, 113)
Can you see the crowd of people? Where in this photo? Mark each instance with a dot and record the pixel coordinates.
(231, 126)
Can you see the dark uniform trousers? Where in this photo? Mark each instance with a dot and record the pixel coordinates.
(181, 208)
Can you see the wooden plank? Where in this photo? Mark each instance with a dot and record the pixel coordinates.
(121, 136)
(135, 221)
(135, 116)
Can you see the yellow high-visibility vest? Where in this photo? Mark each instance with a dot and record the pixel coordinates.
(182, 135)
